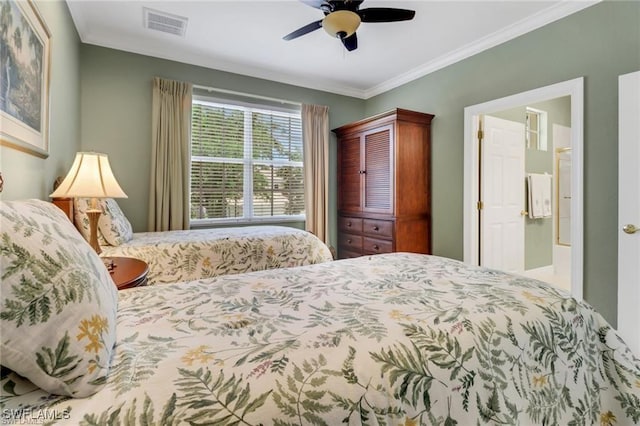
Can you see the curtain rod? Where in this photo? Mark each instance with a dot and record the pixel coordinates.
(249, 95)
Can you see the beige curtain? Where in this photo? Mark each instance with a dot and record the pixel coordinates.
(170, 155)
(315, 136)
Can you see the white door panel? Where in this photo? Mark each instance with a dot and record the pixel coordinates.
(502, 194)
(629, 209)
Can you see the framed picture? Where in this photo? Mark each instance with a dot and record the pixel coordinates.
(24, 77)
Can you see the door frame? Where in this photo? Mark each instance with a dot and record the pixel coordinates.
(573, 88)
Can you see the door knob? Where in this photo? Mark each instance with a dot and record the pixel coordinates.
(523, 212)
(630, 229)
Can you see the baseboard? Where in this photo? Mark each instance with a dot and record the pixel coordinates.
(541, 270)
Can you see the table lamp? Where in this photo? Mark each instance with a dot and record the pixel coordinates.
(90, 176)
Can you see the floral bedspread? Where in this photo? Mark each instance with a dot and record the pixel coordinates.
(396, 339)
(175, 256)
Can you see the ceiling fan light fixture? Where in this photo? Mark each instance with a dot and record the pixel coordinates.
(341, 23)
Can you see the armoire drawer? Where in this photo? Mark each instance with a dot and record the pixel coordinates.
(350, 242)
(378, 228)
(350, 224)
(375, 246)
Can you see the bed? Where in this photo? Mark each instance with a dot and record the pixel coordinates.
(175, 256)
(393, 339)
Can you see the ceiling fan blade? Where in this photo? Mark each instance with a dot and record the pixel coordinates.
(314, 3)
(385, 14)
(352, 5)
(351, 42)
(304, 30)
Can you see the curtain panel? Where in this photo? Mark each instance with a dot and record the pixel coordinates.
(170, 155)
(315, 136)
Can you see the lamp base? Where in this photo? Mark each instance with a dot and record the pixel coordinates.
(94, 215)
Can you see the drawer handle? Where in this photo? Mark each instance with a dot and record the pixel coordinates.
(348, 224)
(349, 241)
(375, 228)
(375, 247)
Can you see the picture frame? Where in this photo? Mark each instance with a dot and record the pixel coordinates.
(25, 46)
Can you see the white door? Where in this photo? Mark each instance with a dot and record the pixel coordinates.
(629, 209)
(502, 185)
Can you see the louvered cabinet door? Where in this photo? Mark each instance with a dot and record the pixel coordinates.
(377, 174)
(350, 170)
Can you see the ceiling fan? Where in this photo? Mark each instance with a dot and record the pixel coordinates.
(343, 17)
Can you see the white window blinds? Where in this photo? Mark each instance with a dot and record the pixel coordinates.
(246, 163)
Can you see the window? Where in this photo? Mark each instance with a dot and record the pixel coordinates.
(536, 129)
(246, 163)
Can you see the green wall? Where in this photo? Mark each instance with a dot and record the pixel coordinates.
(116, 114)
(599, 43)
(28, 176)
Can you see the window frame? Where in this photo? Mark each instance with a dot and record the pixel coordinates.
(247, 161)
(540, 132)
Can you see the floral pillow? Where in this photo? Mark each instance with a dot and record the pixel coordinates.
(113, 224)
(58, 302)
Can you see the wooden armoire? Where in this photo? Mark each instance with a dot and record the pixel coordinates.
(384, 181)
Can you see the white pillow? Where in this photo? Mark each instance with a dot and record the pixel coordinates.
(113, 224)
(58, 301)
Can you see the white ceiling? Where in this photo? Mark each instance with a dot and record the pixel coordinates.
(245, 37)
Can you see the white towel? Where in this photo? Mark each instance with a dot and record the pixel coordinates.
(539, 195)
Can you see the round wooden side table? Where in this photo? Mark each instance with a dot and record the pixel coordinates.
(127, 272)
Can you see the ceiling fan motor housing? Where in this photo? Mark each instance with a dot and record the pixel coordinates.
(343, 17)
(341, 23)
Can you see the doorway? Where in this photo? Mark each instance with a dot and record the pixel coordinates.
(571, 88)
(525, 191)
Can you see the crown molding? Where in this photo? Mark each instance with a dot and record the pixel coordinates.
(220, 65)
(542, 18)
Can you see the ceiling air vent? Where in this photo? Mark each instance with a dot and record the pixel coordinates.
(165, 22)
